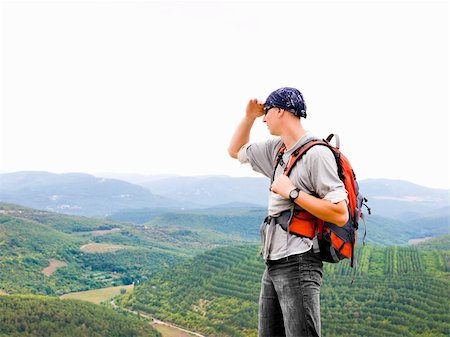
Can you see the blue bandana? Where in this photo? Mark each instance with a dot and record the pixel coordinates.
(289, 99)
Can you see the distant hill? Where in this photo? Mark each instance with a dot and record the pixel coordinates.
(239, 222)
(404, 200)
(83, 194)
(441, 242)
(212, 190)
(396, 199)
(236, 220)
(49, 316)
(244, 222)
(77, 193)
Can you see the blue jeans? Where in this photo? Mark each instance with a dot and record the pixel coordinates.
(289, 303)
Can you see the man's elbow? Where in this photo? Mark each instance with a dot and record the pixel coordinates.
(342, 214)
(342, 219)
(233, 153)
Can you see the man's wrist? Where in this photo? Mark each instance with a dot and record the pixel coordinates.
(293, 195)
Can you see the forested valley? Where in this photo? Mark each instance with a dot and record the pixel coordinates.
(201, 270)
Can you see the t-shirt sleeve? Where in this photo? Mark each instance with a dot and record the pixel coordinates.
(323, 177)
(260, 155)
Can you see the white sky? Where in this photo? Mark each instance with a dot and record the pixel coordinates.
(159, 87)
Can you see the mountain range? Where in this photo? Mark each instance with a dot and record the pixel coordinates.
(77, 193)
(84, 194)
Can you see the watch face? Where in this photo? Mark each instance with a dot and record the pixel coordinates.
(294, 194)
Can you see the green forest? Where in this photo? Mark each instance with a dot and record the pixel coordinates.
(33, 316)
(27, 247)
(397, 291)
(30, 238)
(201, 269)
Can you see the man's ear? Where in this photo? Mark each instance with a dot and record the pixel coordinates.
(280, 113)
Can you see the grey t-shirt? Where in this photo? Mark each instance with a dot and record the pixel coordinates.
(315, 173)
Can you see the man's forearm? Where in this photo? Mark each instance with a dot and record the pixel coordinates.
(324, 209)
(321, 208)
(241, 136)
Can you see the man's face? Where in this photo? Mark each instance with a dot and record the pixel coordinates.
(270, 118)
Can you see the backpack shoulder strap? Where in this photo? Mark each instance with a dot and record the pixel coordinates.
(300, 152)
(278, 160)
(279, 157)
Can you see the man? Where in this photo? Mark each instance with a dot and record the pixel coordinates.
(289, 303)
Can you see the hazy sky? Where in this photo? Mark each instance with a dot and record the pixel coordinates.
(159, 87)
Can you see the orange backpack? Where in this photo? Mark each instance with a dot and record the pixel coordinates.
(333, 242)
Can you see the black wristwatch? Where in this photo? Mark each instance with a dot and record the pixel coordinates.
(294, 194)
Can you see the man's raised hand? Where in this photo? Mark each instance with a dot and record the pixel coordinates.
(255, 108)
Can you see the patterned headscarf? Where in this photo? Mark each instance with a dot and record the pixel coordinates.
(289, 99)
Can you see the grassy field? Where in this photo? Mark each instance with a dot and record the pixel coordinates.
(105, 231)
(101, 247)
(54, 264)
(168, 331)
(98, 295)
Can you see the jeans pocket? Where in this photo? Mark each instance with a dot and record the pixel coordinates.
(316, 275)
(311, 270)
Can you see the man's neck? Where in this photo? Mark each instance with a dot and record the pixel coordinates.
(291, 138)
